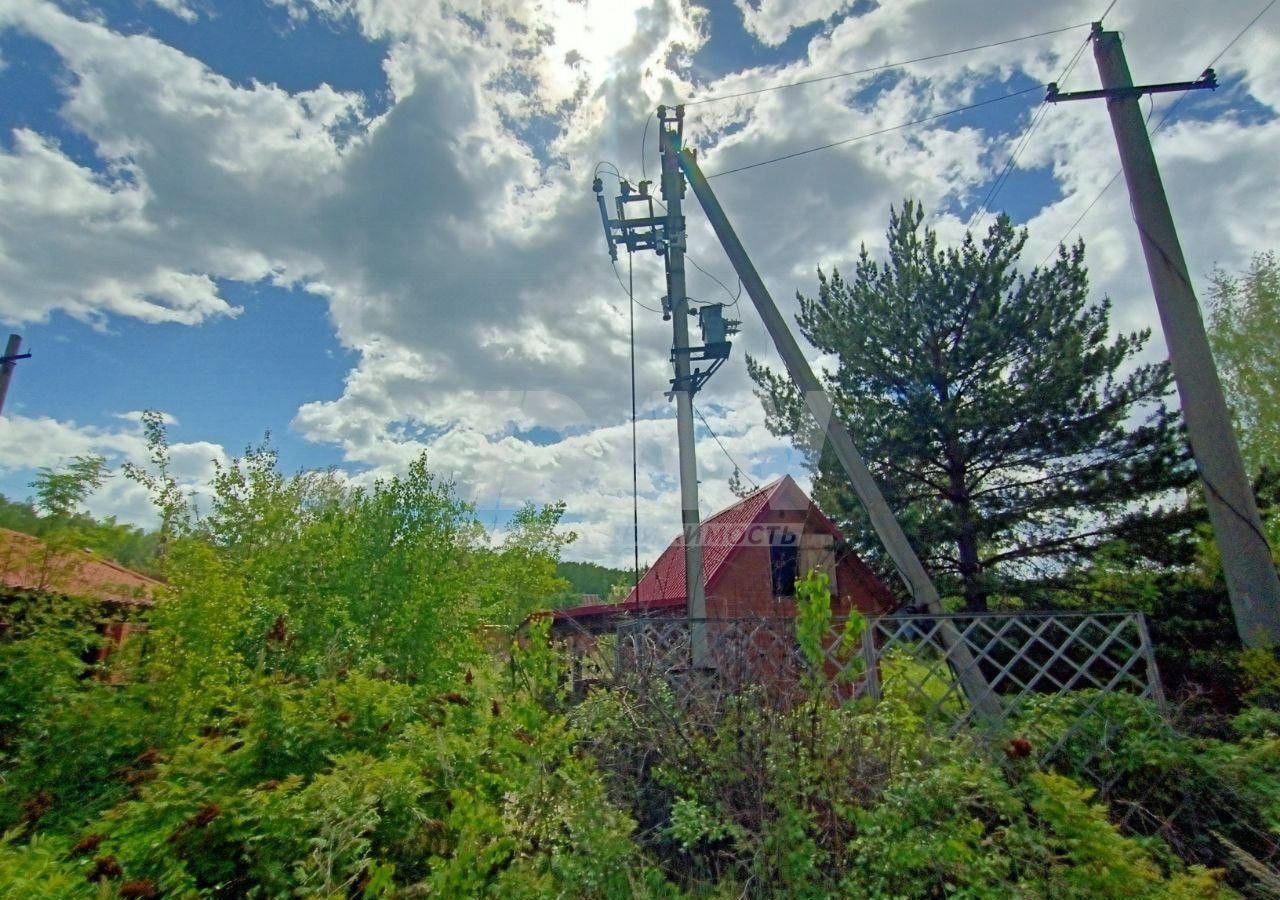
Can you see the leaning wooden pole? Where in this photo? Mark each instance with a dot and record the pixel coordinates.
(886, 526)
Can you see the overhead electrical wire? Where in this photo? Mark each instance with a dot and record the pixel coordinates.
(635, 456)
(1080, 218)
(854, 72)
(880, 68)
(630, 294)
(1221, 53)
(734, 298)
(724, 450)
(1232, 42)
(1163, 121)
(1011, 162)
(880, 131)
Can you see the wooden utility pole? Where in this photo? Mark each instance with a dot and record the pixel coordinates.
(8, 363)
(684, 385)
(886, 526)
(1246, 557)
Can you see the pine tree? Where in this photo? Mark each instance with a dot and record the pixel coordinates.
(1011, 433)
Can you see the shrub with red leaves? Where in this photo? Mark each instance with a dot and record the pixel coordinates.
(148, 757)
(1018, 748)
(86, 845)
(105, 867)
(37, 805)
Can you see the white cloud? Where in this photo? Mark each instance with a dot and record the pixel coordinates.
(178, 8)
(771, 21)
(33, 443)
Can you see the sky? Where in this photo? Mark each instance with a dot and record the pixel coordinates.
(366, 229)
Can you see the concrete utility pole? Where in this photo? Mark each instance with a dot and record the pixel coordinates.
(665, 235)
(684, 384)
(8, 363)
(1246, 557)
(886, 526)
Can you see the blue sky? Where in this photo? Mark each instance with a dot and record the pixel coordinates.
(366, 226)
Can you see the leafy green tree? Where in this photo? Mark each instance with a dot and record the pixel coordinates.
(522, 575)
(1244, 321)
(993, 406)
(60, 492)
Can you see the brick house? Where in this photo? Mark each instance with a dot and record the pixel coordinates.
(752, 554)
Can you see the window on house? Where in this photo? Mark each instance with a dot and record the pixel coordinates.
(818, 552)
(784, 564)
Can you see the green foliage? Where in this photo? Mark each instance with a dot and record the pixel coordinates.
(822, 801)
(311, 711)
(1099, 861)
(813, 629)
(589, 578)
(56, 516)
(59, 493)
(320, 708)
(1201, 789)
(989, 403)
(1244, 318)
(523, 574)
(20, 517)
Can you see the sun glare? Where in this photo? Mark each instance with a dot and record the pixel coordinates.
(589, 39)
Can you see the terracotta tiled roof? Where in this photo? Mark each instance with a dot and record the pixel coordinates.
(663, 586)
(27, 563)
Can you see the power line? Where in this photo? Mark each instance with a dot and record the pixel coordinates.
(644, 174)
(880, 131)
(734, 297)
(881, 68)
(631, 294)
(1163, 121)
(1003, 178)
(602, 164)
(1221, 53)
(724, 450)
(1080, 218)
(635, 458)
(1232, 42)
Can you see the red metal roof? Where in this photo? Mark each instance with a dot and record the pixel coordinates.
(27, 563)
(663, 587)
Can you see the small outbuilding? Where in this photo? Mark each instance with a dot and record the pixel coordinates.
(30, 566)
(752, 554)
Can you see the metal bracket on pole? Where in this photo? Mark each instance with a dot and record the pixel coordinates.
(1209, 79)
(643, 233)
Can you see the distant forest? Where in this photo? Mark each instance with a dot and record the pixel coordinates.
(589, 578)
(126, 544)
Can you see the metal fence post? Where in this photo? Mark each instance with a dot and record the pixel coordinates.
(871, 660)
(1149, 655)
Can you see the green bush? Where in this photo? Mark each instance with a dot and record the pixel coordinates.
(1194, 791)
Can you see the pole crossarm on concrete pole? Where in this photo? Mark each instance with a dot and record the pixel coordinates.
(1237, 526)
(8, 363)
(912, 571)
